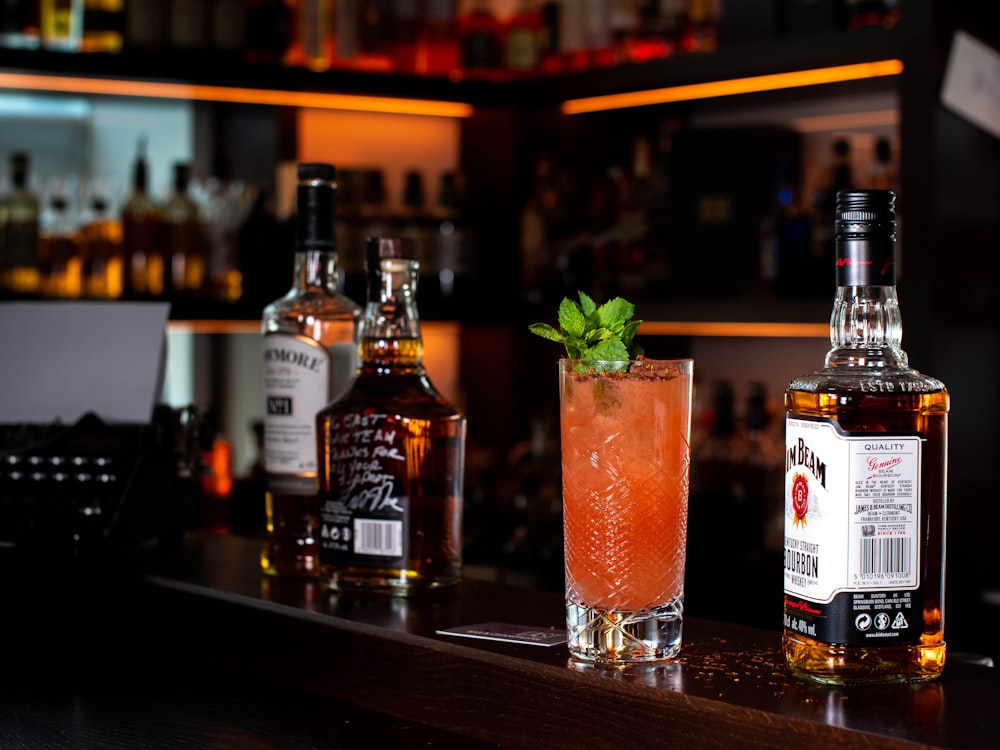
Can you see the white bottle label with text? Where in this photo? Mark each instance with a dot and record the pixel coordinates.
(852, 510)
(296, 386)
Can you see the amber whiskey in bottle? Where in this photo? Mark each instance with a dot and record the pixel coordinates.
(392, 450)
(310, 357)
(20, 217)
(142, 234)
(866, 440)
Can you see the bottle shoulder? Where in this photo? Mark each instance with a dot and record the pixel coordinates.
(317, 302)
(141, 203)
(180, 208)
(867, 379)
(410, 396)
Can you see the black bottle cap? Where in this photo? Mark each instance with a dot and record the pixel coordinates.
(315, 207)
(866, 238)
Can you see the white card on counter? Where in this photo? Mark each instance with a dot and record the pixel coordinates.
(500, 631)
(65, 359)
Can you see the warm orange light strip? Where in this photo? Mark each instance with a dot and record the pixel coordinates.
(754, 330)
(749, 85)
(159, 90)
(864, 120)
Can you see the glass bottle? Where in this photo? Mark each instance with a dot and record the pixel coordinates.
(184, 237)
(59, 248)
(480, 38)
(103, 21)
(62, 25)
(19, 24)
(310, 358)
(142, 234)
(865, 480)
(312, 38)
(20, 211)
(392, 450)
(101, 240)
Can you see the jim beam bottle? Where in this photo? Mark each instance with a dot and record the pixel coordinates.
(392, 450)
(865, 480)
(310, 357)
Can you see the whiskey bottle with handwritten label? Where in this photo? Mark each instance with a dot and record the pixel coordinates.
(865, 480)
(392, 450)
(310, 358)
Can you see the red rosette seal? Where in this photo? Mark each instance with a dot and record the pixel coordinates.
(800, 499)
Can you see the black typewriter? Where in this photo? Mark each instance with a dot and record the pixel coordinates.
(92, 489)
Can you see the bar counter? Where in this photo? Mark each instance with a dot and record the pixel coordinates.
(194, 648)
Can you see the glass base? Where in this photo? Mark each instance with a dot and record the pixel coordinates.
(613, 638)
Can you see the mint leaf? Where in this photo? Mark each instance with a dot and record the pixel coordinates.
(591, 332)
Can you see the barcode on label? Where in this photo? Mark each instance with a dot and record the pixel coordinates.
(378, 537)
(885, 556)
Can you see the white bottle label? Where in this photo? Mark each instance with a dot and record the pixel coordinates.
(852, 511)
(297, 384)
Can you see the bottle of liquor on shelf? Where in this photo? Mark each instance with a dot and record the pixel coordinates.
(392, 450)
(865, 480)
(187, 25)
(405, 24)
(872, 14)
(227, 28)
(19, 24)
(101, 245)
(62, 25)
(523, 36)
(480, 37)
(310, 358)
(312, 35)
(103, 24)
(184, 238)
(142, 234)
(438, 42)
(20, 212)
(703, 17)
(144, 26)
(59, 251)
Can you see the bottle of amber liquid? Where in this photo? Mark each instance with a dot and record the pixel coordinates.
(392, 450)
(184, 237)
(142, 235)
(865, 480)
(310, 357)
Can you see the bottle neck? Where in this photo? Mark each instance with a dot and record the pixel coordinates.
(390, 335)
(866, 328)
(316, 269)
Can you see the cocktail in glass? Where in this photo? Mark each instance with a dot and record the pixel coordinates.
(626, 448)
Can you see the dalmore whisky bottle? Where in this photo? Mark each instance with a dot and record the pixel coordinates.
(865, 480)
(310, 357)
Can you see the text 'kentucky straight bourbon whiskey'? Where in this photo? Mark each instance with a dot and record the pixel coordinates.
(865, 480)
(392, 450)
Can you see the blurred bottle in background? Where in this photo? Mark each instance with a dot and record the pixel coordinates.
(142, 234)
(20, 212)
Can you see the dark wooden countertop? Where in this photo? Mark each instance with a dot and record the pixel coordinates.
(199, 650)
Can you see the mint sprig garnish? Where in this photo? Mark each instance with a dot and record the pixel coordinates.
(594, 333)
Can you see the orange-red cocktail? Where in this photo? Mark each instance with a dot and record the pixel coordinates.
(625, 467)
